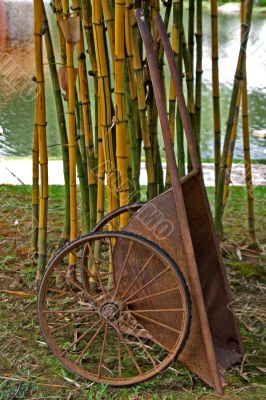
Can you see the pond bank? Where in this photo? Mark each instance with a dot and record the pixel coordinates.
(15, 172)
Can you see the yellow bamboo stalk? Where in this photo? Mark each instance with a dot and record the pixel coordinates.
(101, 171)
(172, 101)
(87, 121)
(35, 184)
(120, 106)
(104, 104)
(41, 126)
(72, 135)
(109, 20)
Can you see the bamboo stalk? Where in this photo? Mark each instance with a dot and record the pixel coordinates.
(81, 162)
(137, 65)
(41, 126)
(178, 18)
(248, 168)
(101, 172)
(104, 104)
(60, 119)
(231, 148)
(88, 30)
(246, 145)
(189, 67)
(109, 20)
(87, 120)
(191, 32)
(199, 70)
(219, 209)
(35, 184)
(172, 96)
(120, 105)
(72, 135)
(215, 90)
(190, 95)
(131, 99)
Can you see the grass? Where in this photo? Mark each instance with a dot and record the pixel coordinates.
(29, 371)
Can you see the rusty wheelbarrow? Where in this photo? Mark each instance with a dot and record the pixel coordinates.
(139, 298)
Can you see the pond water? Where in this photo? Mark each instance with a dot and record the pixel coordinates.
(17, 97)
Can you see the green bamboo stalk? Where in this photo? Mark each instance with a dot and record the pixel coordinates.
(135, 195)
(190, 95)
(248, 167)
(191, 101)
(178, 18)
(215, 91)
(86, 145)
(61, 126)
(219, 209)
(191, 32)
(199, 70)
(142, 108)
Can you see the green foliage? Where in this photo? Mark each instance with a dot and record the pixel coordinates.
(15, 389)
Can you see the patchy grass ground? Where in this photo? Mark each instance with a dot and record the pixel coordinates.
(29, 371)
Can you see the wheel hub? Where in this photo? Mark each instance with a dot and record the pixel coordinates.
(110, 312)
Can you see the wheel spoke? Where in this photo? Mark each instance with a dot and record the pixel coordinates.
(131, 355)
(102, 351)
(76, 341)
(153, 295)
(122, 270)
(137, 276)
(119, 355)
(79, 359)
(77, 286)
(77, 310)
(147, 284)
(156, 310)
(145, 350)
(96, 270)
(154, 321)
(58, 328)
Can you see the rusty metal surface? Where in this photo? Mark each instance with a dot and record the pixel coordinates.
(214, 335)
(157, 222)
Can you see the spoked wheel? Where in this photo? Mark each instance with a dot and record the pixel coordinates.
(131, 320)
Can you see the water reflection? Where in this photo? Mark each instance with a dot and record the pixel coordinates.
(16, 114)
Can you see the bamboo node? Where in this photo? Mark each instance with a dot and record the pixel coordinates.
(42, 125)
(82, 56)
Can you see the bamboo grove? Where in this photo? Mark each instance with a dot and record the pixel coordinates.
(107, 118)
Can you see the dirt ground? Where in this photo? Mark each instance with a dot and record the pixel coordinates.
(29, 371)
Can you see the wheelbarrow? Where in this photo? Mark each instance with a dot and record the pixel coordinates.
(153, 292)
